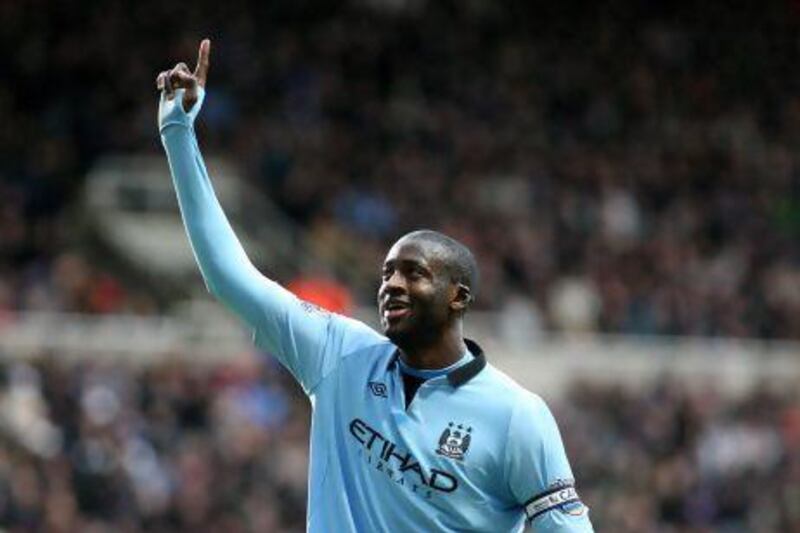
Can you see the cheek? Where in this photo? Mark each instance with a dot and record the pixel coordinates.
(438, 302)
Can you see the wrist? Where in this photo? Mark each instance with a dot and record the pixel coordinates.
(172, 113)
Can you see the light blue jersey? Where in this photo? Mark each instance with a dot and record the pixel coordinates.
(473, 451)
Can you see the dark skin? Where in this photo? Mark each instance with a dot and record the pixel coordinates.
(421, 306)
(180, 77)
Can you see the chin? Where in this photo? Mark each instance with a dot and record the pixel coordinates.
(407, 339)
(398, 336)
(395, 328)
(392, 333)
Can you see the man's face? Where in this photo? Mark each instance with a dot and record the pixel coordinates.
(415, 293)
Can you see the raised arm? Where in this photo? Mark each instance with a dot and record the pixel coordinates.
(227, 271)
(306, 340)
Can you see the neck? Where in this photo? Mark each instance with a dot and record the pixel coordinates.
(440, 352)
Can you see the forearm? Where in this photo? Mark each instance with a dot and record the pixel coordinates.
(226, 269)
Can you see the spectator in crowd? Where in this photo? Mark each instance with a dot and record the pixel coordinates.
(625, 169)
(171, 448)
(186, 447)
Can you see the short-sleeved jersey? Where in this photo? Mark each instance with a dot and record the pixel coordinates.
(472, 451)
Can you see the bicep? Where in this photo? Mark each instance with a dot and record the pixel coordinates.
(538, 471)
(308, 340)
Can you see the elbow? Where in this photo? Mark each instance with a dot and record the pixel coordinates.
(212, 288)
(214, 280)
(223, 284)
(217, 288)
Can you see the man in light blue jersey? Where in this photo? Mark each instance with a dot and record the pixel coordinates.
(411, 431)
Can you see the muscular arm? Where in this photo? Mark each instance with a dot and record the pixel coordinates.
(307, 341)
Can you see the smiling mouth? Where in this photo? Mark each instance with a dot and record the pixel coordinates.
(395, 310)
(395, 313)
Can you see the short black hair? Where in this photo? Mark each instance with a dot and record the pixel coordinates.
(458, 259)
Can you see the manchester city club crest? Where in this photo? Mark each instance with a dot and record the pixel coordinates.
(454, 441)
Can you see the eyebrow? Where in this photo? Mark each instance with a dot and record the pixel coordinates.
(407, 263)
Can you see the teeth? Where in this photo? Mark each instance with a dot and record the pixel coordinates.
(395, 306)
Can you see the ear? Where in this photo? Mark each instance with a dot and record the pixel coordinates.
(462, 299)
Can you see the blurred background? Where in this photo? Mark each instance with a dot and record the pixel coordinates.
(627, 172)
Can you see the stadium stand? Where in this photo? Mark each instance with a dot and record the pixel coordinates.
(180, 447)
(622, 168)
(630, 173)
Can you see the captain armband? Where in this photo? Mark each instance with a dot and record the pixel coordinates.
(563, 497)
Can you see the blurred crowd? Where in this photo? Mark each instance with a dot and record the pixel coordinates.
(623, 166)
(668, 458)
(100, 447)
(97, 448)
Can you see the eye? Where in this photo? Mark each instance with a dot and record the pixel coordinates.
(415, 273)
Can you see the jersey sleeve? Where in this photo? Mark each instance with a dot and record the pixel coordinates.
(538, 472)
(307, 340)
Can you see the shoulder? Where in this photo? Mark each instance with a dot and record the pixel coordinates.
(355, 327)
(515, 412)
(510, 395)
(348, 335)
(529, 422)
(361, 341)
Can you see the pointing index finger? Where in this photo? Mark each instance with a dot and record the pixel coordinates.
(201, 70)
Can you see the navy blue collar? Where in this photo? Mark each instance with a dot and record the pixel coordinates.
(465, 372)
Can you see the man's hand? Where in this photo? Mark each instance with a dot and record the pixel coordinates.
(180, 77)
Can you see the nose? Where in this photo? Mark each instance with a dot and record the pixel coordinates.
(393, 285)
